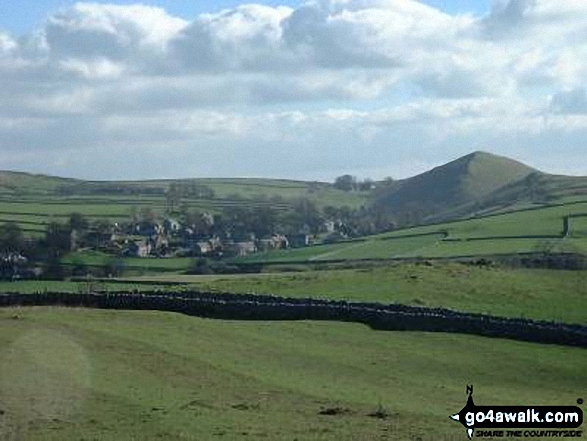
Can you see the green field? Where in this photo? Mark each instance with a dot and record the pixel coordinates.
(524, 231)
(39, 286)
(34, 201)
(579, 227)
(532, 293)
(79, 374)
(131, 264)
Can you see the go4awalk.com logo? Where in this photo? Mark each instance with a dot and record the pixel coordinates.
(519, 421)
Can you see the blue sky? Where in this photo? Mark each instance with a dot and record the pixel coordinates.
(289, 89)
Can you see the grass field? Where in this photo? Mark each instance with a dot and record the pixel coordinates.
(132, 264)
(532, 293)
(82, 375)
(34, 201)
(523, 231)
(34, 286)
(75, 374)
(579, 227)
(540, 294)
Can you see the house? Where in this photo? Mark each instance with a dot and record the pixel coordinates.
(208, 218)
(204, 247)
(243, 248)
(147, 229)
(171, 226)
(275, 242)
(161, 244)
(330, 226)
(12, 265)
(299, 240)
(265, 244)
(140, 248)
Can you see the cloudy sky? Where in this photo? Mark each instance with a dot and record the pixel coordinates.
(289, 89)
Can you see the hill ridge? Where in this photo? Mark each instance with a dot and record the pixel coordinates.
(444, 188)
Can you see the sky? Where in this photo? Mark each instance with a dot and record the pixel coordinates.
(301, 89)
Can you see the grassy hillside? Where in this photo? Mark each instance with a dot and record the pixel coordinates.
(469, 188)
(78, 374)
(533, 293)
(27, 184)
(12, 182)
(535, 190)
(476, 184)
(523, 231)
(33, 201)
(444, 188)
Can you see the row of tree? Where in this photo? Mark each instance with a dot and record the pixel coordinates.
(352, 183)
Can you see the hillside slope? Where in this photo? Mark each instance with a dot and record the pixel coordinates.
(536, 189)
(474, 185)
(27, 184)
(460, 182)
(33, 201)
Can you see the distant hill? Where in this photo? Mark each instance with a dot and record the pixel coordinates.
(464, 181)
(474, 185)
(34, 200)
(280, 192)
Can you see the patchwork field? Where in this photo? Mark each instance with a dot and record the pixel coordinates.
(75, 374)
(526, 231)
(34, 201)
(79, 374)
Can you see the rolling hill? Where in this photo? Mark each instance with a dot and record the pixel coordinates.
(459, 183)
(278, 191)
(33, 201)
(523, 231)
(475, 185)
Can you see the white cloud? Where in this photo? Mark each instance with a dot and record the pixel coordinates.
(7, 44)
(93, 28)
(344, 83)
(93, 69)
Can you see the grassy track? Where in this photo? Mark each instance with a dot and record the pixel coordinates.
(78, 374)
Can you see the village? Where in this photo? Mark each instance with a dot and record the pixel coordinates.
(205, 235)
(170, 238)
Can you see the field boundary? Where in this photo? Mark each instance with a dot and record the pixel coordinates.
(579, 259)
(394, 317)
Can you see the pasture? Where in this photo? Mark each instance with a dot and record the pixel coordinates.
(130, 264)
(527, 231)
(87, 374)
(89, 285)
(531, 293)
(34, 201)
